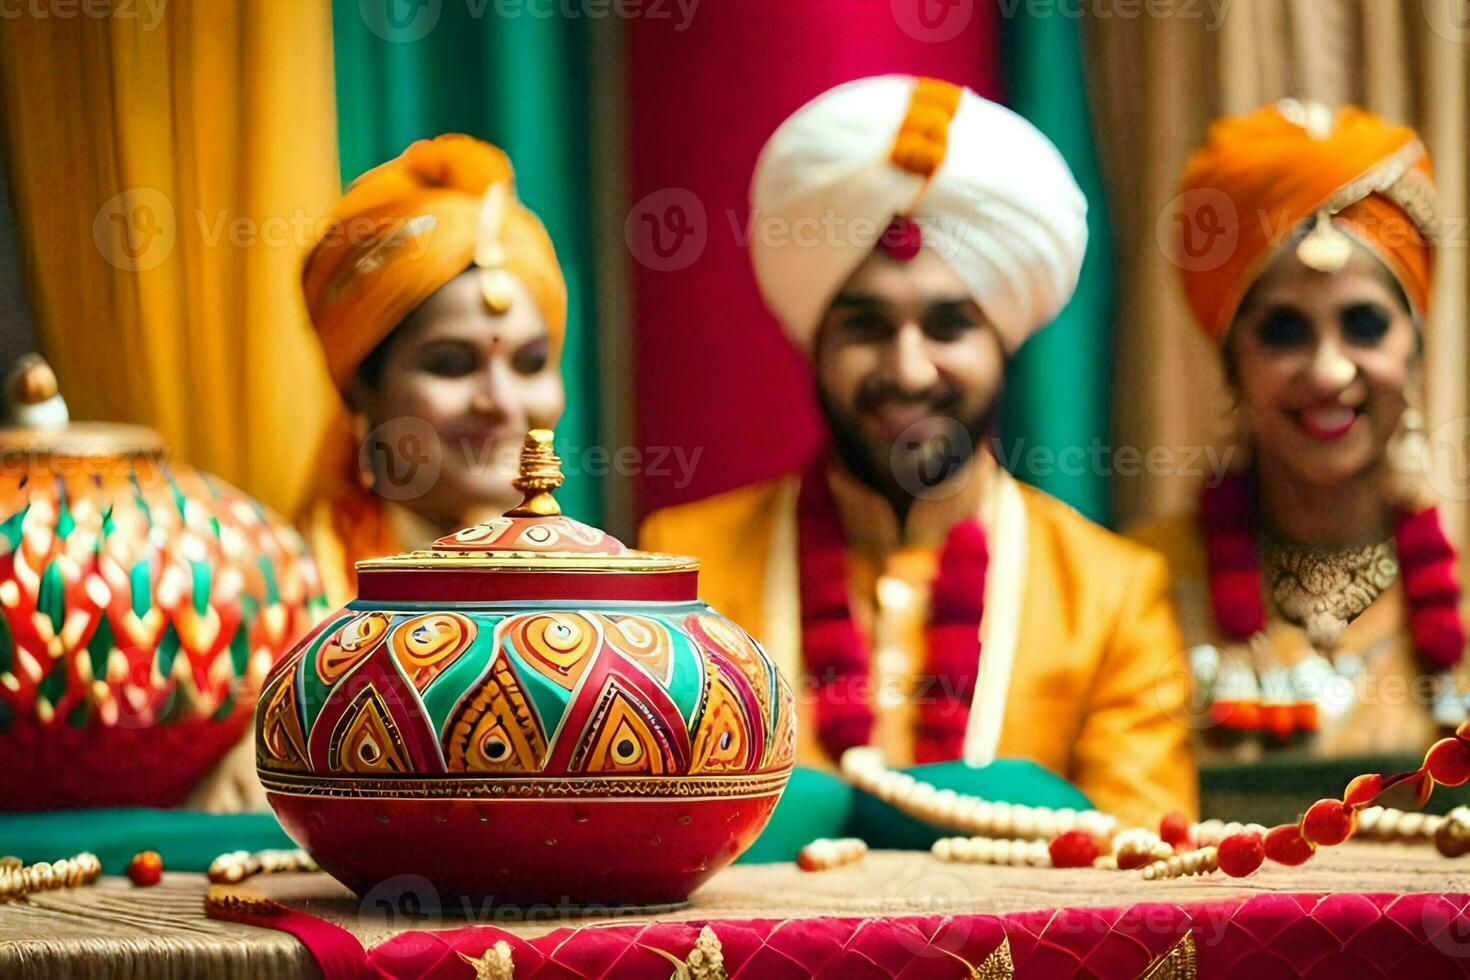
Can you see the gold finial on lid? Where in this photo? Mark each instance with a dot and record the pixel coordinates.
(540, 474)
(32, 381)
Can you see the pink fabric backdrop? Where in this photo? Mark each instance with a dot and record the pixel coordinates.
(713, 371)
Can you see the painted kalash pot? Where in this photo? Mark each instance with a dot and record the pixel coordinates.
(142, 603)
(527, 712)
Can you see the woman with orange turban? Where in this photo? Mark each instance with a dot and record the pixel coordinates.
(441, 310)
(1315, 582)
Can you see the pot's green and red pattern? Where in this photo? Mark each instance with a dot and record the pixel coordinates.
(141, 605)
(670, 690)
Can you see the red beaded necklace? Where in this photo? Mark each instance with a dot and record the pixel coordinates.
(838, 656)
(1427, 563)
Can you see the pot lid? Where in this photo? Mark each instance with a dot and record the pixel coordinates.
(39, 425)
(534, 536)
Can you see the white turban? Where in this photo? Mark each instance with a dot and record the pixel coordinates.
(1001, 208)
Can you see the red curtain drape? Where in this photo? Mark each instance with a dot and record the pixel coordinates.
(714, 374)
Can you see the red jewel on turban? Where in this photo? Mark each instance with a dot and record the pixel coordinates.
(902, 239)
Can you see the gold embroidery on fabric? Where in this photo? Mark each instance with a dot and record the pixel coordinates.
(1416, 196)
(1376, 180)
(377, 251)
(995, 955)
(493, 964)
(222, 902)
(1177, 964)
(706, 961)
(997, 966)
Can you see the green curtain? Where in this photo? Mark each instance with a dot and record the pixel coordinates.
(1054, 422)
(409, 69)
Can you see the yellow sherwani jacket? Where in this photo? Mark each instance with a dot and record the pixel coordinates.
(1081, 660)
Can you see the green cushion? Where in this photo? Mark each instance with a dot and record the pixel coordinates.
(816, 804)
(187, 840)
(1003, 781)
(819, 804)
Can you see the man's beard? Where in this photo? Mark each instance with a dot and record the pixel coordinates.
(900, 477)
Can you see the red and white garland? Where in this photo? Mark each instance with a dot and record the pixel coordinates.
(839, 657)
(1068, 838)
(1427, 568)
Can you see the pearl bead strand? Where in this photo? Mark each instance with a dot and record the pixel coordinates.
(1385, 823)
(1197, 862)
(235, 866)
(1212, 832)
(18, 880)
(824, 854)
(864, 768)
(986, 850)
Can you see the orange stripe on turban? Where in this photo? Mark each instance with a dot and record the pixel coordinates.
(1259, 177)
(405, 229)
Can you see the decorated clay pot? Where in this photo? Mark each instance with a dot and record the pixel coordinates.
(527, 712)
(141, 604)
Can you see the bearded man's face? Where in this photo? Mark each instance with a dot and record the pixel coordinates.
(908, 372)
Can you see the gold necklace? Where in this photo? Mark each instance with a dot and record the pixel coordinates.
(1322, 590)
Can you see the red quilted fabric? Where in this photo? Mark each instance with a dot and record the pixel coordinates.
(1269, 936)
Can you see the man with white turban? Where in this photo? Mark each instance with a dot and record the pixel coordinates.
(910, 235)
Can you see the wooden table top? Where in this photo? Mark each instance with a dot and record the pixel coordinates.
(112, 929)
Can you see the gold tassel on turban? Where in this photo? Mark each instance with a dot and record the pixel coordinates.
(401, 232)
(1259, 178)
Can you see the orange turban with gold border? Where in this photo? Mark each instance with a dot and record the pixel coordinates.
(1260, 177)
(406, 228)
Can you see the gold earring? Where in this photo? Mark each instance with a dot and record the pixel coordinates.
(1407, 477)
(367, 478)
(1238, 440)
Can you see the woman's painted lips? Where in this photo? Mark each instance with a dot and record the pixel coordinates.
(1327, 422)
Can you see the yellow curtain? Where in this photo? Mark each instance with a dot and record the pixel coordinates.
(1156, 82)
(168, 164)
